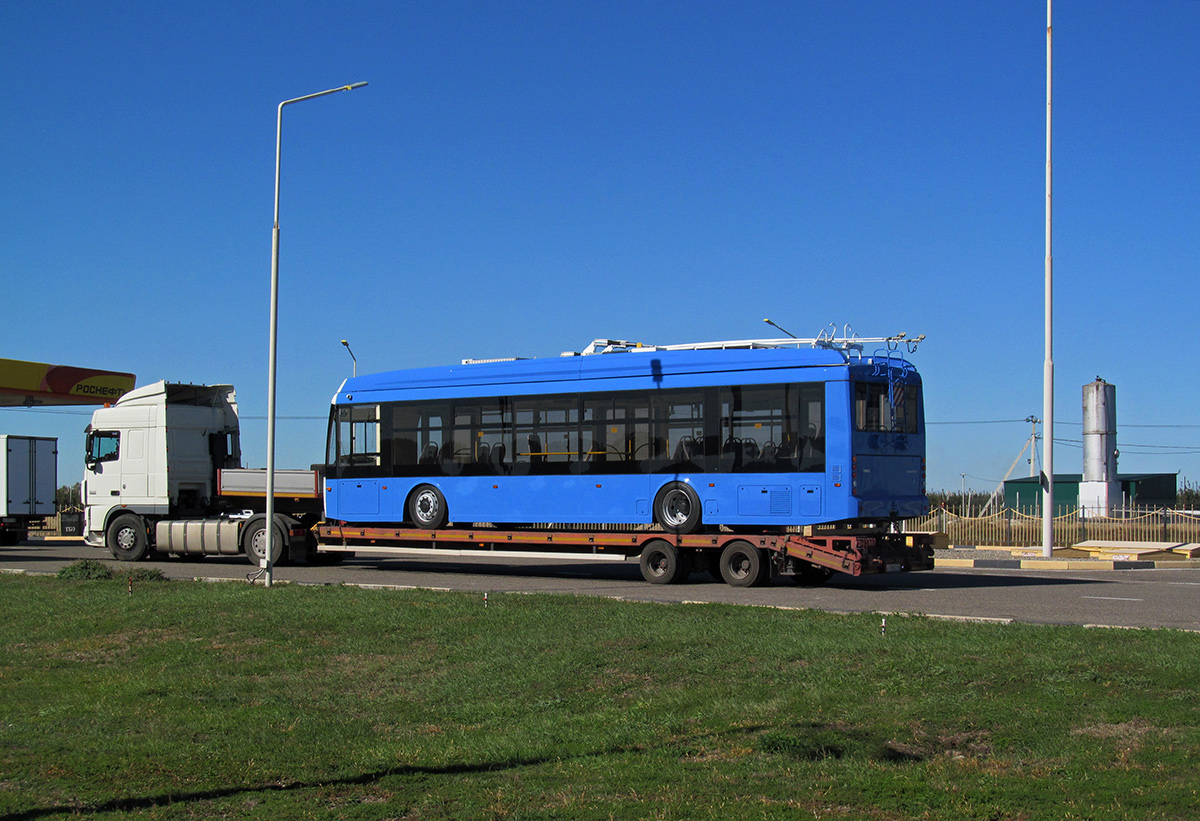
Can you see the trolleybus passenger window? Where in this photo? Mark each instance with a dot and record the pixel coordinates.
(776, 428)
(547, 434)
(678, 432)
(416, 438)
(812, 428)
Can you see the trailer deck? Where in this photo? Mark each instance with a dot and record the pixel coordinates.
(853, 553)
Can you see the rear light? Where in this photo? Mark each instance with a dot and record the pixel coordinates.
(853, 475)
(923, 476)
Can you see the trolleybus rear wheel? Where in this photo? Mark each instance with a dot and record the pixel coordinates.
(677, 508)
(427, 508)
(664, 563)
(744, 565)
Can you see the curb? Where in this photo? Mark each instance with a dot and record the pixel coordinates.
(1064, 564)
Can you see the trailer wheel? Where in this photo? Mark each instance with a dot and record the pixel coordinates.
(808, 574)
(664, 563)
(677, 508)
(427, 508)
(254, 542)
(744, 565)
(127, 538)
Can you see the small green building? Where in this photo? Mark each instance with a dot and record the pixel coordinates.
(1138, 490)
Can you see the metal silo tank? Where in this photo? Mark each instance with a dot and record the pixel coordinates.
(1100, 489)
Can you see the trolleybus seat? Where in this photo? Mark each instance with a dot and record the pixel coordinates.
(812, 452)
(537, 456)
(731, 455)
(681, 451)
(451, 465)
(429, 455)
(657, 455)
(497, 457)
(688, 449)
(481, 462)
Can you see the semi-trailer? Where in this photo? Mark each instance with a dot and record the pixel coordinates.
(163, 473)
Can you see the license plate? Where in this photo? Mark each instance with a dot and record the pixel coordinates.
(893, 568)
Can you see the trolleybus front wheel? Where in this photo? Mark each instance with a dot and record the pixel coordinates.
(427, 508)
(677, 508)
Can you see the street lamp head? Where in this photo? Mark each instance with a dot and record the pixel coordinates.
(347, 344)
(353, 86)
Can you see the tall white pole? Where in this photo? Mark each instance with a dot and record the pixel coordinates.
(267, 563)
(1048, 367)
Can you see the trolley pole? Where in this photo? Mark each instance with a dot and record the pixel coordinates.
(267, 563)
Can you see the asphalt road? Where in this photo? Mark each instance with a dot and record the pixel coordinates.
(1159, 598)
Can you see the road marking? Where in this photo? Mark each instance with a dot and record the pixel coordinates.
(1110, 598)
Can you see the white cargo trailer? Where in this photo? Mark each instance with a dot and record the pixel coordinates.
(28, 482)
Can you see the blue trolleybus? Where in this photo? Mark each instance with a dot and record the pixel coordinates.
(757, 436)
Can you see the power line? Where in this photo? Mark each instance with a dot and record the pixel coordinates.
(979, 422)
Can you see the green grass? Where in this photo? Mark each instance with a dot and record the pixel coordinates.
(187, 700)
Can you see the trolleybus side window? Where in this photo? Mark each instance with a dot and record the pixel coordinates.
(417, 437)
(678, 441)
(547, 434)
(615, 432)
(776, 428)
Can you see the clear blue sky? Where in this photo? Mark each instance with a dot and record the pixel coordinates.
(522, 177)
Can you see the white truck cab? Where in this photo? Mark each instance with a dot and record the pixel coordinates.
(156, 454)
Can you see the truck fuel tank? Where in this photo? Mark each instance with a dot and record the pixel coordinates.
(212, 537)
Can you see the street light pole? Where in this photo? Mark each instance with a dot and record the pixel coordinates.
(1048, 364)
(267, 563)
(353, 357)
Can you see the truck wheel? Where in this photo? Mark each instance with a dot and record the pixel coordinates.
(677, 508)
(744, 565)
(127, 538)
(808, 574)
(664, 563)
(427, 508)
(254, 542)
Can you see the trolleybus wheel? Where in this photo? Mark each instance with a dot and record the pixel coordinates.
(664, 563)
(427, 508)
(254, 542)
(808, 574)
(127, 538)
(743, 565)
(677, 508)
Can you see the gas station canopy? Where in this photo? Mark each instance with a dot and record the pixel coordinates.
(36, 383)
